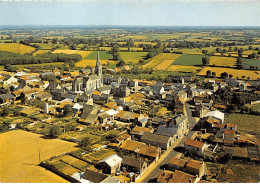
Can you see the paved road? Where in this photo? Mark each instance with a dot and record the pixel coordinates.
(152, 177)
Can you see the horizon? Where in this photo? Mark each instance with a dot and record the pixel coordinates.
(151, 13)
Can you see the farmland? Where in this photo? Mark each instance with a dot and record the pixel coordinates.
(16, 48)
(251, 62)
(102, 54)
(20, 157)
(189, 60)
(182, 68)
(222, 61)
(84, 54)
(91, 62)
(40, 52)
(235, 72)
(160, 58)
(132, 56)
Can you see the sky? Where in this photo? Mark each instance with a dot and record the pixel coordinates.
(131, 12)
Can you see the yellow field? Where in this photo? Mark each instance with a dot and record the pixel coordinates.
(222, 61)
(164, 65)
(160, 58)
(40, 52)
(145, 43)
(19, 157)
(235, 72)
(16, 48)
(80, 52)
(182, 68)
(91, 62)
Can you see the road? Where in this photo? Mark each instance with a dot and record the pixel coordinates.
(154, 171)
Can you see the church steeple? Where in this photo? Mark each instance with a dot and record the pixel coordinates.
(98, 68)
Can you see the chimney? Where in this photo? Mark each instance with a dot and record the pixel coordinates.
(47, 108)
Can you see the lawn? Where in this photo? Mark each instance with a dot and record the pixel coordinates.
(235, 72)
(223, 61)
(189, 60)
(245, 122)
(19, 158)
(132, 56)
(104, 55)
(16, 48)
(162, 58)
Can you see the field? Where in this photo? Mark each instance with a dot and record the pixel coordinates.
(235, 72)
(251, 62)
(48, 46)
(102, 54)
(91, 62)
(189, 60)
(132, 56)
(222, 61)
(40, 52)
(29, 65)
(180, 68)
(246, 123)
(255, 107)
(16, 48)
(19, 157)
(84, 54)
(160, 58)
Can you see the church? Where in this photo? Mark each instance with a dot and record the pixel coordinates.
(89, 82)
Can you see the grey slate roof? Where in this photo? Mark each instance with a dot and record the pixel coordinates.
(166, 131)
(155, 138)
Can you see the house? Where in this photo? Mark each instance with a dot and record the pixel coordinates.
(123, 137)
(138, 132)
(131, 146)
(150, 152)
(194, 146)
(201, 100)
(216, 115)
(132, 164)
(111, 164)
(9, 80)
(90, 176)
(176, 177)
(133, 83)
(182, 94)
(194, 167)
(7, 98)
(231, 126)
(164, 142)
(158, 88)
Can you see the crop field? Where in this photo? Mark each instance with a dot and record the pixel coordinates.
(251, 62)
(235, 72)
(102, 54)
(160, 58)
(16, 48)
(84, 54)
(132, 56)
(133, 37)
(91, 62)
(163, 65)
(223, 61)
(189, 51)
(189, 60)
(182, 68)
(19, 157)
(40, 52)
(145, 43)
(48, 46)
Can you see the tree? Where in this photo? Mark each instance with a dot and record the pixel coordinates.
(240, 52)
(213, 74)
(67, 110)
(120, 63)
(243, 77)
(205, 61)
(204, 51)
(6, 111)
(224, 75)
(239, 63)
(85, 142)
(54, 131)
(230, 75)
(208, 73)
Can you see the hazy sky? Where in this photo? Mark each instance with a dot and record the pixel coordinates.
(127, 12)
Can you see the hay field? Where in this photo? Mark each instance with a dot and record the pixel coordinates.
(40, 52)
(235, 72)
(182, 68)
(223, 61)
(189, 60)
(19, 157)
(84, 54)
(132, 56)
(91, 62)
(160, 58)
(16, 48)
(164, 65)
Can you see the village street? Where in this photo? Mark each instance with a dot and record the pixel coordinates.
(156, 167)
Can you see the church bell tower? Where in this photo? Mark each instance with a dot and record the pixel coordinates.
(98, 68)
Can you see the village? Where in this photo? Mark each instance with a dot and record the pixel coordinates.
(128, 130)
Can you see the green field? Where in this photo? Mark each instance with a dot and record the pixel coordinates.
(29, 65)
(48, 46)
(245, 122)
(189, 60)
(102, 54)
(251, 62)
(132, 56)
